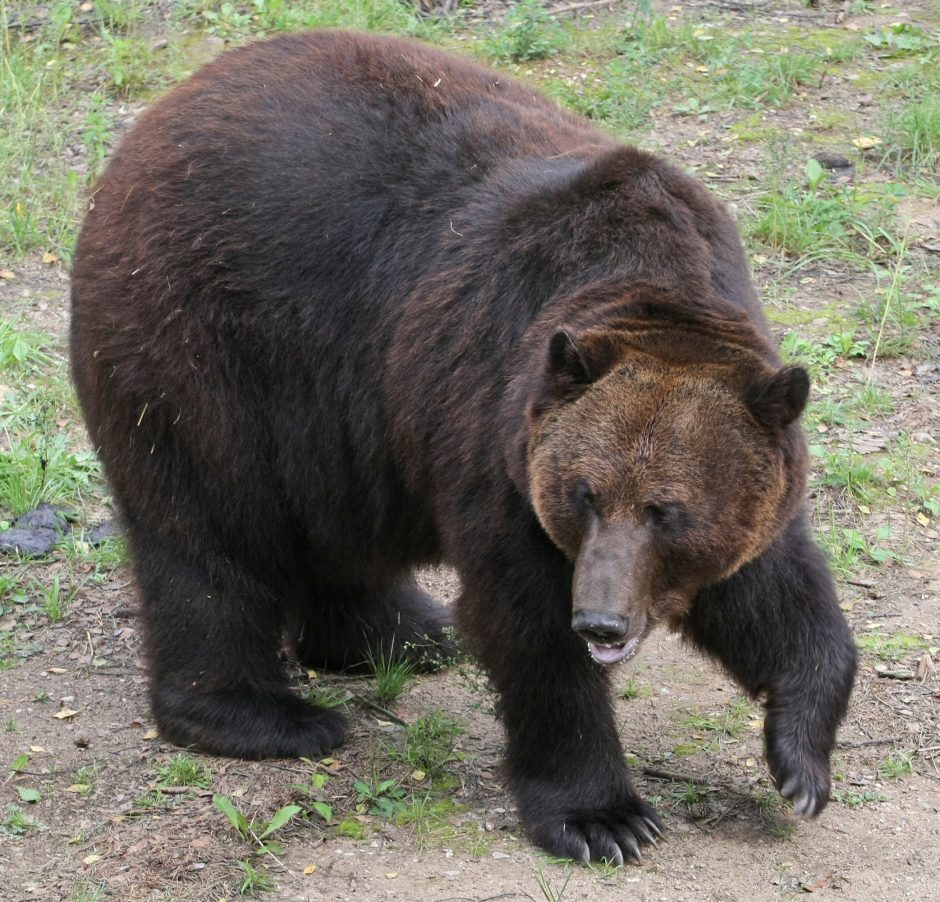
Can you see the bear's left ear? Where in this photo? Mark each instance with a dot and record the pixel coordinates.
(777, 399)
(574, 365)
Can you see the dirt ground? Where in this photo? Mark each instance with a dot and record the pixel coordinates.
(115, 831)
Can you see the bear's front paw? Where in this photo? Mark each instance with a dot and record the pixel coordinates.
(800, 771)
(614, 834)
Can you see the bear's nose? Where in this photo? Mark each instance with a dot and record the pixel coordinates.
(600, 626)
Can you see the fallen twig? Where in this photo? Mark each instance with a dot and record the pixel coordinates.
(863, 743)
(659, 774)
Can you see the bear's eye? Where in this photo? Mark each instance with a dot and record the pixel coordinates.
(584, 495)
(670, 517)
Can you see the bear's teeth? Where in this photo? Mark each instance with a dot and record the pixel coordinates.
(614, 653)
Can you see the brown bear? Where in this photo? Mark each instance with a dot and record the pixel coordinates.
(344, 305)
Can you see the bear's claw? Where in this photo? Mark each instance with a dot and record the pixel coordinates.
(615, 837)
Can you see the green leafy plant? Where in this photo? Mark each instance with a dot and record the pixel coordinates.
(259, 833)
(254, 882)
(384, 798)
(529, 32)
(313, 795)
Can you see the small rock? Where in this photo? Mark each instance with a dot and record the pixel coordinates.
(924, 438)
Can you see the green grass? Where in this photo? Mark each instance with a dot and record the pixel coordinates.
(182, 770)
(894, 647)
(823, 221)
(729, 723)
(16, 823)
(897, 765)
(529, 32)
(429, 743)
(392, 675)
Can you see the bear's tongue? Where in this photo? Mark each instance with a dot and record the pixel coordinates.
(613, 654)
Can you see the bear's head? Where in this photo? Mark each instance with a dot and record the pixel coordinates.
(661, 458)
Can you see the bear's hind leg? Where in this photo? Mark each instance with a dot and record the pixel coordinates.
(349, 628)
(776, 627)
(213, 634)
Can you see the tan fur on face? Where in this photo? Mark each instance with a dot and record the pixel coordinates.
(655, 433)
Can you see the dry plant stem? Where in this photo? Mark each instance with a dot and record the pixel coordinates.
(892, 293)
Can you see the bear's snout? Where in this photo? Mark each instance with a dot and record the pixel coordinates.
(600, 627)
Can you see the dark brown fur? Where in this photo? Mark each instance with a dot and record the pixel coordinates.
(344, 306)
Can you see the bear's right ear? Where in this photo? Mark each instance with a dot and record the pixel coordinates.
(777, 399)
(573, 366)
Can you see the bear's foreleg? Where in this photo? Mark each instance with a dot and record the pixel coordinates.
(775, 625)
(565, 764)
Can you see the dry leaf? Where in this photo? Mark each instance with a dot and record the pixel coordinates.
(7, 274)
(49, 258)
(151, 734)
(310, 869)
(866, 143)
(91, 859)
(64, 714)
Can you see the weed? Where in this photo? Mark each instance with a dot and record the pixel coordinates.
(313, 795)
(817, 358)
(253, 831)
(858, 476)
(10, 725)
(120, 15)
(129, 64)
(694, 796)
(384, 798)
(853, 798)
(181, 770)
(85, 779)
(529, 32)
(824, 221)
(632, 689)
(391, 675)
(235, 21)
(914, 132)
(88, 892)
(728, 724)
(55, 599)
(102, 558)
(893, 647)
(898, 39)
(547, 888)
(897, 765)
(351, 829)
(97, 135)
(767, 81)
(17, 823)
(846, 345)
(254, 882)
(430, 743)
(21, 348)
(329, 696)
(430, 818)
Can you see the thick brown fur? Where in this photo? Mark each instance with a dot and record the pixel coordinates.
(345, 305)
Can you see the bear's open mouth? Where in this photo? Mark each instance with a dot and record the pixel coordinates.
(615, 653)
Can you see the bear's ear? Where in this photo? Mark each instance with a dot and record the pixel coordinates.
(778, 398)
(573, 366)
